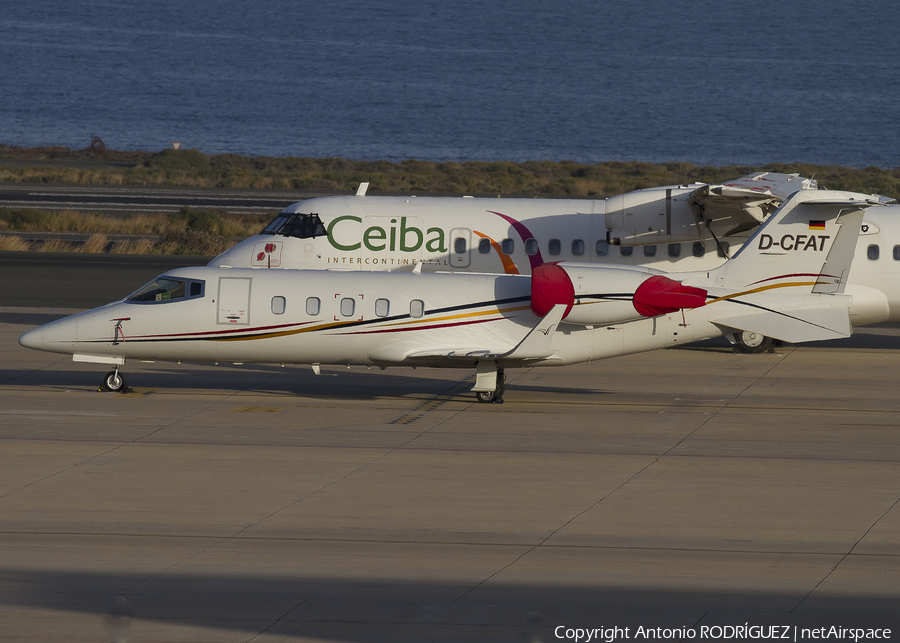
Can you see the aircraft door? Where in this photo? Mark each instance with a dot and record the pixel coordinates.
(460, 247)
(234, 301)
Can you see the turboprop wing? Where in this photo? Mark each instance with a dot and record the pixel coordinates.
(749, 199)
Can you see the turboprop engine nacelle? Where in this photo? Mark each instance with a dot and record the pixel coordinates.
(598, 295)
(651, 217)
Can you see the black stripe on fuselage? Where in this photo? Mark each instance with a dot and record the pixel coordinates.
(329, 326)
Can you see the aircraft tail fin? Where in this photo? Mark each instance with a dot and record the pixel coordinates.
(786, 281)
(811, 239)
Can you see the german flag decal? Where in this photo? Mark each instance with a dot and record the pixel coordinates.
(816, 225)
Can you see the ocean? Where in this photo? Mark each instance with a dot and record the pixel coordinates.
(701, 81)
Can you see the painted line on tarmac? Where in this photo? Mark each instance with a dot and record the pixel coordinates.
(435, 402)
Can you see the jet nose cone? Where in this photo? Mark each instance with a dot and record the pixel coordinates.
(33, 339)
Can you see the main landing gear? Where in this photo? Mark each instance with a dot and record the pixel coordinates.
(750, 342)
(494, 396)
(114, 382)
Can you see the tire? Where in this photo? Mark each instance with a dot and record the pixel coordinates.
(113, 382)
(749, 342)
(485, 397)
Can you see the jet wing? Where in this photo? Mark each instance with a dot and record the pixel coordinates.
(537, 344)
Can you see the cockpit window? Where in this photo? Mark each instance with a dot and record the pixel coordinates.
(168, 289)
(160, 290)
(302, 226)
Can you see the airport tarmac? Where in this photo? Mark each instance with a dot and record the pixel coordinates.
(683, 488)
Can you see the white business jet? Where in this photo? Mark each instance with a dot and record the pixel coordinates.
(563, 313)
(670, 228)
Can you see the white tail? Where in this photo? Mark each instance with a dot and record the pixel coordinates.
(812, 237)
(786, 280)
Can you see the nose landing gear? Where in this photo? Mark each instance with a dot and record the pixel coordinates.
(114, 382)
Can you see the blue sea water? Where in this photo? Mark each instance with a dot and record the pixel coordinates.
(657, 80)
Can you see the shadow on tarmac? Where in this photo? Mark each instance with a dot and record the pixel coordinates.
(382, 609)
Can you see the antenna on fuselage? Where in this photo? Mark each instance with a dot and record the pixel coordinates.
(363, 187)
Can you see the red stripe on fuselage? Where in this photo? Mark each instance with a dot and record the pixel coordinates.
(401, 330)
(207, 333)
(799, 274)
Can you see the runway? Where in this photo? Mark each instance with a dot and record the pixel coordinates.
(132, 199)
(685, 488)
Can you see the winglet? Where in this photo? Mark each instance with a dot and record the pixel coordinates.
(538, 343)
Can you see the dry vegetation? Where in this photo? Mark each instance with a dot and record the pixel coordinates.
(189, 232)
(211, 232)
(193, 168)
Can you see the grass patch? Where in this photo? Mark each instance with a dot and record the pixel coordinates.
(188, 232)
(181, 243)
(564, 178)
(211, 222)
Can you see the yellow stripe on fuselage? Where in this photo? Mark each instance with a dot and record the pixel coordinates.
(410, 323)
(429, 320)
(762, 288)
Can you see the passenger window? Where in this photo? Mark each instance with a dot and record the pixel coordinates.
(416, 308)
(278, 305)
(896, 253)
(459, 245)
(554, 247)
(674, 249)
(348, 305)
(722, 249)
(531, 247)
(508, 246)
(484, 246)
(578, 247)
(649, 251)
(382, 307)
(312, 306)
(602, 248)
(699, 249)
(872, 252)
(626, 251)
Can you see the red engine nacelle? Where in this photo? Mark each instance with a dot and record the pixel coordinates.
(608, 295)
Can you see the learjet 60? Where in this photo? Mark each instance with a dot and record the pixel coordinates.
(786, 282)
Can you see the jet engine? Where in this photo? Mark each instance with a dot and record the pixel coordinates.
(603, 295)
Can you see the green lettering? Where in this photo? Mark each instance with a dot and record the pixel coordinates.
(436, 243)
(405, 231)
(330, 231)
(374, 234)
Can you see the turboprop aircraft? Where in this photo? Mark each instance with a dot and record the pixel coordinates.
(670, 228)
(786, 282)
(511, 236)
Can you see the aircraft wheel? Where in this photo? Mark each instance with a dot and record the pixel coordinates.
(495, 396)
(486, 397)
(749, 342)
(113, 382)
